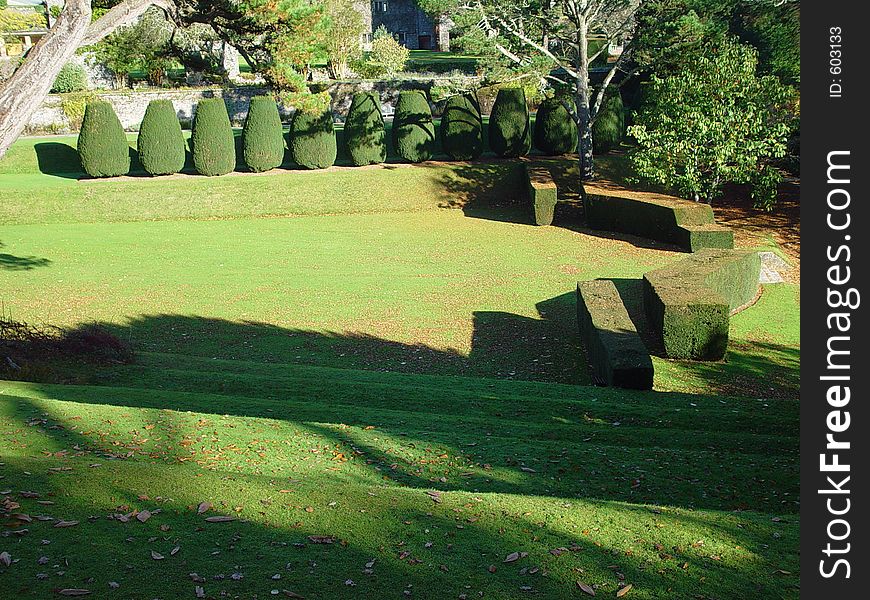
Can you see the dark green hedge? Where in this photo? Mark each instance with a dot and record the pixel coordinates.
(263, 135)
(555, 130)
(689, 225)
(413, 129)
(689, 302)
(214, 147)
(609, 127)
(312, 140)
(364, 133)
(161, 142)
(462, 127)
(614, 349)
(510, 133)
(102, 143)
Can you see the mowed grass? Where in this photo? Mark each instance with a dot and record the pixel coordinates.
(404, 381)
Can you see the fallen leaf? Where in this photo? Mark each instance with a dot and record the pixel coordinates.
(623, 591)
(74, 592)
(436, 496)
(585, 587)
(512, 557)
(321, 539)
(143, 516)
(491, 568)
(290, 594)
(203, 507)
(156, 555)
(200, 593)
(219, 519)
(174, 551)
(66, 524)
(5, 559)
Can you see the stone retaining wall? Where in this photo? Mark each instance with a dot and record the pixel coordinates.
(130, 105)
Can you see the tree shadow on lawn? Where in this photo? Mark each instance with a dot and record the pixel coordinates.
(58, 159)
(10, 262)
(406, 541)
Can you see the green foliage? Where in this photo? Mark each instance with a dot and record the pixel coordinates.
(214, 147)
(161, 142)
(555, 130)
(509, 129)
(413, 129)
(263, 135)
(609, 126)
(144, 46)
(102, 144)
(16, 20)
(364, 131)
(713, 123)
(312, 140)
(346, 25)
(387, 56)
(462, 127)
(71, 78)
(73, 106)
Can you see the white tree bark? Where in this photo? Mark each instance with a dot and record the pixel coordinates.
(22, 94)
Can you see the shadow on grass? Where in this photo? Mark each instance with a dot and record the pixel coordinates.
(58, 159)
(10, 262)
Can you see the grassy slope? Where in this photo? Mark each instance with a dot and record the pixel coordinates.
(288, 364)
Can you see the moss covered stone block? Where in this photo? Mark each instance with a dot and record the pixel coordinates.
(689, 303)
(615, 351)
(543, 193)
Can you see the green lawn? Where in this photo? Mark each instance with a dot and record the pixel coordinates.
(318, 353)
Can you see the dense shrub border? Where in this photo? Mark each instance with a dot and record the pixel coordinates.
(312, 140)
(102, 143)
(263, 135)
(214, 146)
(160, 142)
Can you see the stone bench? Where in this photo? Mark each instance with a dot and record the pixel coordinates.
(543, 193)
(615, 350)
(690, 225)
(689, 303)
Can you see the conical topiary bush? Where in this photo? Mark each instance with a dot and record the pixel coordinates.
(510, 135)
(263, 135)
(312, 140)
(462, 127)
(555, 130)
(364, 133)
(609, 127)
(161, 141)
(214, 147)
(413, 129)
(102, 143)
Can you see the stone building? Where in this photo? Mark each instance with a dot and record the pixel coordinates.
(412, 27)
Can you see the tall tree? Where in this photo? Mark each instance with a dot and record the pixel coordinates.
(562, 39)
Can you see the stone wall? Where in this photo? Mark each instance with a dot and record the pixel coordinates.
(130, 105)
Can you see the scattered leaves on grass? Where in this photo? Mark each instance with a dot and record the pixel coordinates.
(435, 496)
(623, 591)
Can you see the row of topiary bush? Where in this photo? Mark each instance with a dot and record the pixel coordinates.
(312, 142)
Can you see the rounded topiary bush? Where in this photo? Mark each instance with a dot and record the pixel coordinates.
(161, 142)
(609, 128)
(413, 129)
(312, 140)
(555, 130)
(71, 78)
(510, 135)
(364, 132)
(462, 127)
(214, 147)
(263, 135)
(102, 144)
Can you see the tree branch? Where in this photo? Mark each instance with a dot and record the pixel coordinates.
(120, 15)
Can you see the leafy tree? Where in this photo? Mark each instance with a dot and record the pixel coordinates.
(312, 139)
(388, 56)
(510, 133)
(714, 122)
(346, 25)
(555, 131)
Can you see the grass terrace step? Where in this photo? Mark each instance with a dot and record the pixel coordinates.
(613, 346)
(690, 302)
(687, 224)
(543, 193)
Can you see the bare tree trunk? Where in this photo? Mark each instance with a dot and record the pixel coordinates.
(581, 103)
(21, 94)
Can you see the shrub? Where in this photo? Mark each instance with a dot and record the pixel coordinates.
(388, 56)
(71, 78)
(263, 135)
(555, 130)
(102, 144)
(312, 140)
(214, 147)
(462, 127)
(413, 129)
(364, 130)
(609, 127)
(161, 142)
(509, 130)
